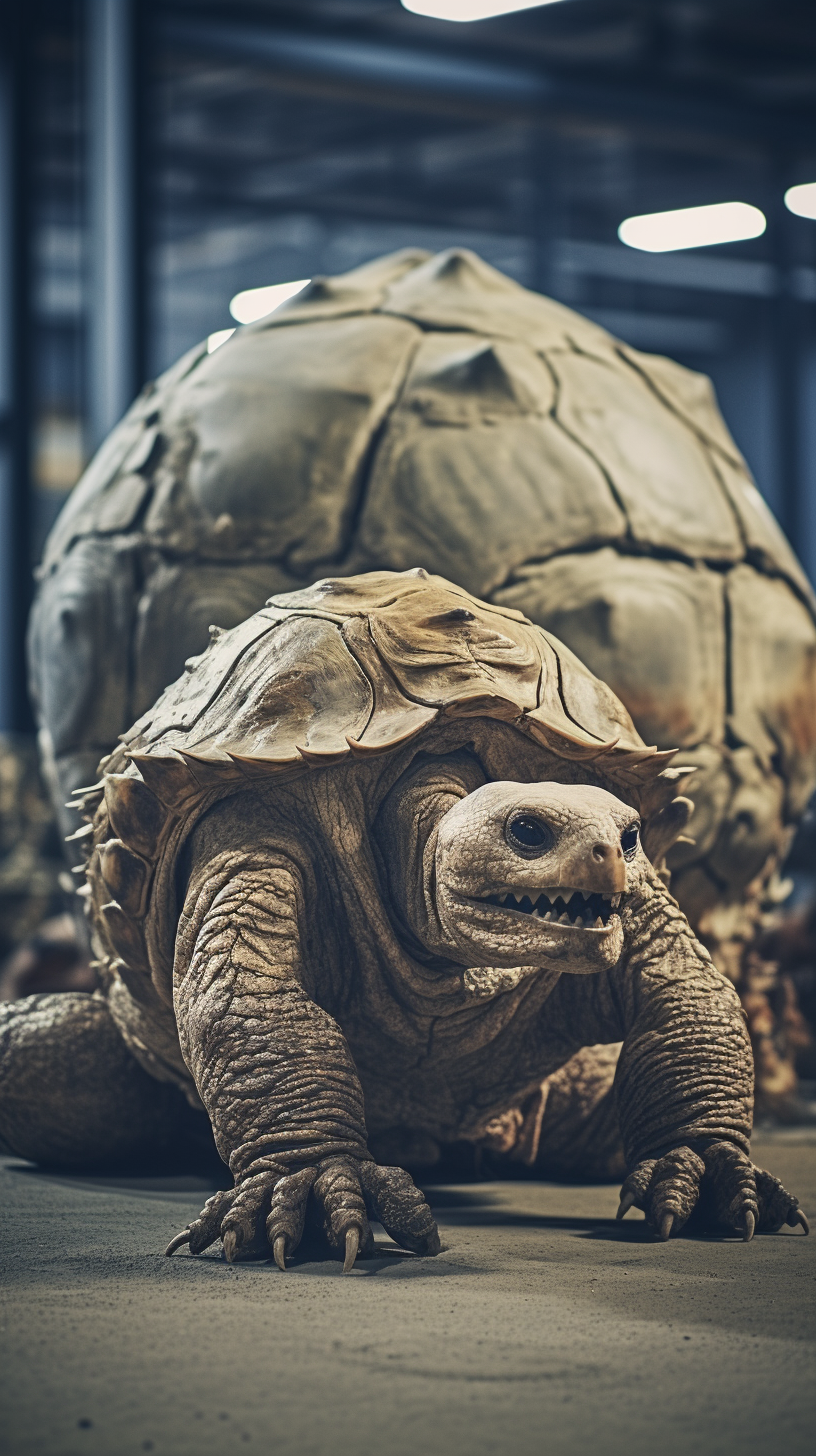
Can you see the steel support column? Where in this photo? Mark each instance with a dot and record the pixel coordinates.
(788, 368)
(16, 68)
(115, 319)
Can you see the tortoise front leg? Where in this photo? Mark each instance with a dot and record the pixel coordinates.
(685, 1086)
(684, 1079)
(277, 1079)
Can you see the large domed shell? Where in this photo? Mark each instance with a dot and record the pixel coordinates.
(427, 409)
(377, 407)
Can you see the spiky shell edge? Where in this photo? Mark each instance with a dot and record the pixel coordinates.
(473, 662)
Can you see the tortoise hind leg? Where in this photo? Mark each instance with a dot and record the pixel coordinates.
(579, 1134)
(72, 1096)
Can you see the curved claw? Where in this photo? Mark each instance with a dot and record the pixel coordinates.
(666, 1226)
(176, 1243)
(230, 1243)
(279, 1251)
(799, 1216)
(627, 1202)
(749, 1226)
(352, 1247)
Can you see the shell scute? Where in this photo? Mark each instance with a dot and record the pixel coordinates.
(97, 490)
(361, 290)
(122, 504)
(441, 662)
(187, 699)
(434, 494)
(763, 536)
(600, 602)
(689, 394)
(589, 704)
(101, 478)
(549, 722)
(145, 452)
(135, 814)
(124, 935)
(339, 597)
(126, 875)
(82, 617)
(179, 602)
(773, 678)
(166, 775)
(283, 481)
(456, 289)
(660, 470)
(457, 379)
(394, 719)
(296, 691)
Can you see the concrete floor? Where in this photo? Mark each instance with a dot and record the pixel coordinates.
(544, 1327)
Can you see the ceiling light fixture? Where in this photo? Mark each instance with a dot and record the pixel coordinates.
(802, 200)
(692, 227)
(214, 341)
(256, 303)
(470, 9)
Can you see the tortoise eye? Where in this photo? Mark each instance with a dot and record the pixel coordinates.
(630, 838)
(529, 835)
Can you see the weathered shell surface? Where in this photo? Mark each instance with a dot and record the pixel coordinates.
(429, 411)
(360, 671)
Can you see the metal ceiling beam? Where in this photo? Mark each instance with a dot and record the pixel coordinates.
(413, 75)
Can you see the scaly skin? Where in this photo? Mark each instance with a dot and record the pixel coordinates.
(339, 971)
(276, 1077)
(276, 1073)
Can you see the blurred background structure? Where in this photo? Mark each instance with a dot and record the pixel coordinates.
(159, 156)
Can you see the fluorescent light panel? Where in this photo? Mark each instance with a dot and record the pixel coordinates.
(802, 200)
(214, 341)
(692, 227)
(256, 303)
(470, 9)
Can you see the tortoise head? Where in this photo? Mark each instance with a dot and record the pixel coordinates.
(532, 874)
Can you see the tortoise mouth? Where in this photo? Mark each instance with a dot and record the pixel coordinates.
(572, 909)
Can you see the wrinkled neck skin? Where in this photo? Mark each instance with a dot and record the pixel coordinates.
(406, 833)
(507, 879)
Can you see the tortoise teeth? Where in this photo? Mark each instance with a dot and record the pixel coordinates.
(562, 907)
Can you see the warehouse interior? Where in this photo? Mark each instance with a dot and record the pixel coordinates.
(160, 162)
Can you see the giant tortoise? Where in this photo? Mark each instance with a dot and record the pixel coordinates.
(428, 411)
(369, 873)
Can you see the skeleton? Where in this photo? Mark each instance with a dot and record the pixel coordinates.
(366, 872)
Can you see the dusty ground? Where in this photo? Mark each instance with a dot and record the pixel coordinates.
(544, 1327)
